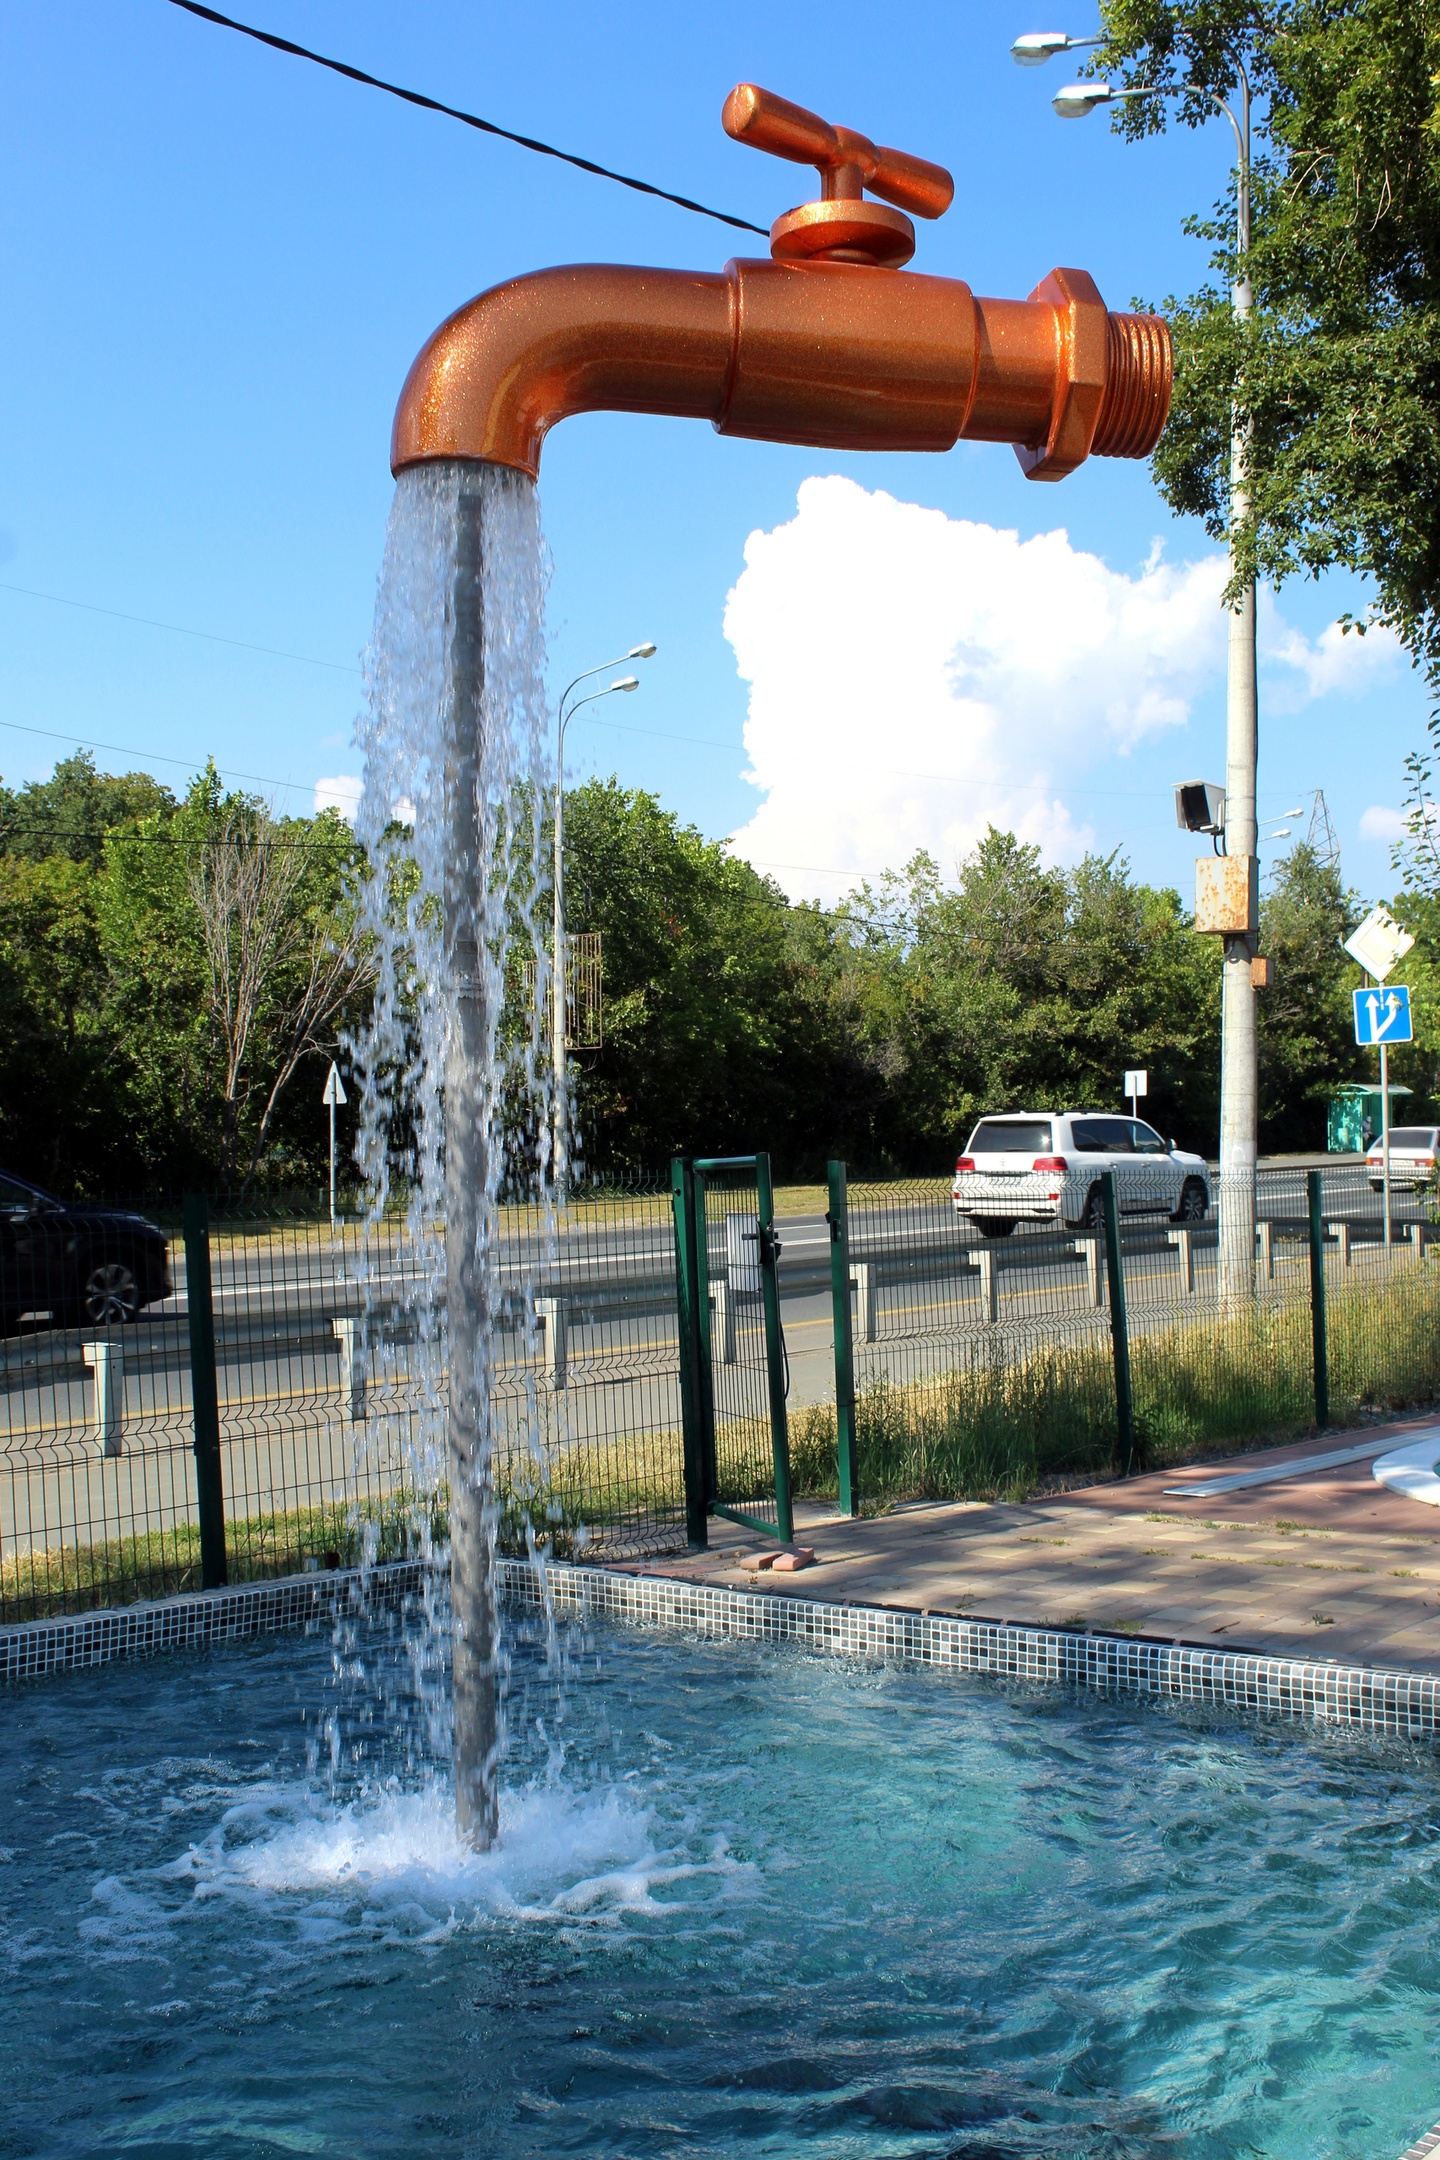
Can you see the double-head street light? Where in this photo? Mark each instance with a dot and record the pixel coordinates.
(1239, 1105)
(559, 1015)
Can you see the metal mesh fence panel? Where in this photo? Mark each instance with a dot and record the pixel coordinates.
(985, 1363)
(326, 1410)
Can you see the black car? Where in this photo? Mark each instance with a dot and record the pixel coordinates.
(85, 1266)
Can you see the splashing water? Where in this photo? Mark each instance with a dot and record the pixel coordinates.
(452, 1065)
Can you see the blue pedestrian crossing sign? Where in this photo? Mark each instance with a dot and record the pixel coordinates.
(1383, 1015)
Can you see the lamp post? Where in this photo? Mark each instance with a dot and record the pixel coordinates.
(568, 710)
(1239, 1092)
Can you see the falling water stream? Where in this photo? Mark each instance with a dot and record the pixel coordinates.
(454, 738)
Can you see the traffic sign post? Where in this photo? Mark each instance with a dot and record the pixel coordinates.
(334, 1093)
(1382, 1016)
(1136, 1085)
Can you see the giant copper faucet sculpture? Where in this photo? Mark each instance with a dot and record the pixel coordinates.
(830, 343)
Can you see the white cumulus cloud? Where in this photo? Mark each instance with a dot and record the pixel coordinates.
(341, 791)
(1338, 659)
(1380, 822)
(916, 677)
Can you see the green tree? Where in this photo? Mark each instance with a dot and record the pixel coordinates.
(1337, 371)
(1022, 985)
(705, 1021)
(1307, 1034)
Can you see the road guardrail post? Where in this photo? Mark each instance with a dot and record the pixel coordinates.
(349, 1334)
(1265, 1238)
(204, 1394)
(688, 1292)
(862, 1275)
(1119, 1330)
(550, 1312)
(1315, 1192)
(722, 1323)
(841, 1276)
(106, 1361)
(989, 1289)
(1089, 1250)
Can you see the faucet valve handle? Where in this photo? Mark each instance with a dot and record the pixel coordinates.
(842, 226)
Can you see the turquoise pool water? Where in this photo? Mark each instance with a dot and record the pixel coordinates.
(747, 1902)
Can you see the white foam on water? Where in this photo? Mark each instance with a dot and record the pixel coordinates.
(392, 1860)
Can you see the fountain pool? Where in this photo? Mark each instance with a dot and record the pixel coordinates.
(744, 1900)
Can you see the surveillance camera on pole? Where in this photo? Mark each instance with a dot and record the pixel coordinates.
(1200, 807)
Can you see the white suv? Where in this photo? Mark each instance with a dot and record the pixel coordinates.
(1044, 1166)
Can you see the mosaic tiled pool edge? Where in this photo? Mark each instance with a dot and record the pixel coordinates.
(1430, 2143)
(1370, 1699)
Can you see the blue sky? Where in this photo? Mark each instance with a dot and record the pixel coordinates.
(219, 262)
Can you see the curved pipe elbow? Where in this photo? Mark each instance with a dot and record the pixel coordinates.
(830, 355)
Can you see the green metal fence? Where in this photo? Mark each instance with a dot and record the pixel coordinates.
(661, 1358)
(980, 1363)
(280, 1409)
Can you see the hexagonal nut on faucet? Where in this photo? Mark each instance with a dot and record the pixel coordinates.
(1083, 328)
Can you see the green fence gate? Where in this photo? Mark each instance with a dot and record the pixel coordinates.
(733, 1366)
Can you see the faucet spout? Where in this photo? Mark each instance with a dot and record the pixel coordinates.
(833, 355)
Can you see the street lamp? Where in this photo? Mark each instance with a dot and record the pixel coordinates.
(569, 706)
(1239, 1105)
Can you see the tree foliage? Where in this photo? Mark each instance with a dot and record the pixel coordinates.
(166, 968)
(1337, 371)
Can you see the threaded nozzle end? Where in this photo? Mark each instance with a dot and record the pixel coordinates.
(1139, 371)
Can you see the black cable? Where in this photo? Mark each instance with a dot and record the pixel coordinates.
(453, 112)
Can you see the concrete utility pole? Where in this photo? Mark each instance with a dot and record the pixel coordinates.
(1239, 1068)
(1239, 1092)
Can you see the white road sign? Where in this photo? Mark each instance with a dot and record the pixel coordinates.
(334, 1087)
(1379, 943)
(1137, 1083)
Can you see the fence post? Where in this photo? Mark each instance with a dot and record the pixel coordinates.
(776, 1362)
(688, 1292)
(204, 1396)
(1119, 1329)
(1315, 1192)
(846, 1452)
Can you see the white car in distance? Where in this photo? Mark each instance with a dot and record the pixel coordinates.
(1412, 1157)
(1045, 1166)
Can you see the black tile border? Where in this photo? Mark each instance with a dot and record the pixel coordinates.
(198, 1617)
(1369, 1699)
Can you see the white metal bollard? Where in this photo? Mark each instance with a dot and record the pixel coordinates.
(1094, 1270)
(1265, 1238)
(722, 1326)
(862, 1282)
(742, 1252)
(1341, 1233)
(1184, 1239)
(550, 1311)
(348, 1334)
(106, 1361)
(989, 1285)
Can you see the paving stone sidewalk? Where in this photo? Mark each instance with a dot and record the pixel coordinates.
(1319, 1564)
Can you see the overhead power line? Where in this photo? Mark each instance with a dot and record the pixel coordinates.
(453, 112)
(210, 637)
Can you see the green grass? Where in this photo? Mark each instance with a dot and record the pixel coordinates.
(995, 1431)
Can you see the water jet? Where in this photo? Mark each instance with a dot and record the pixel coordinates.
(829, 343)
